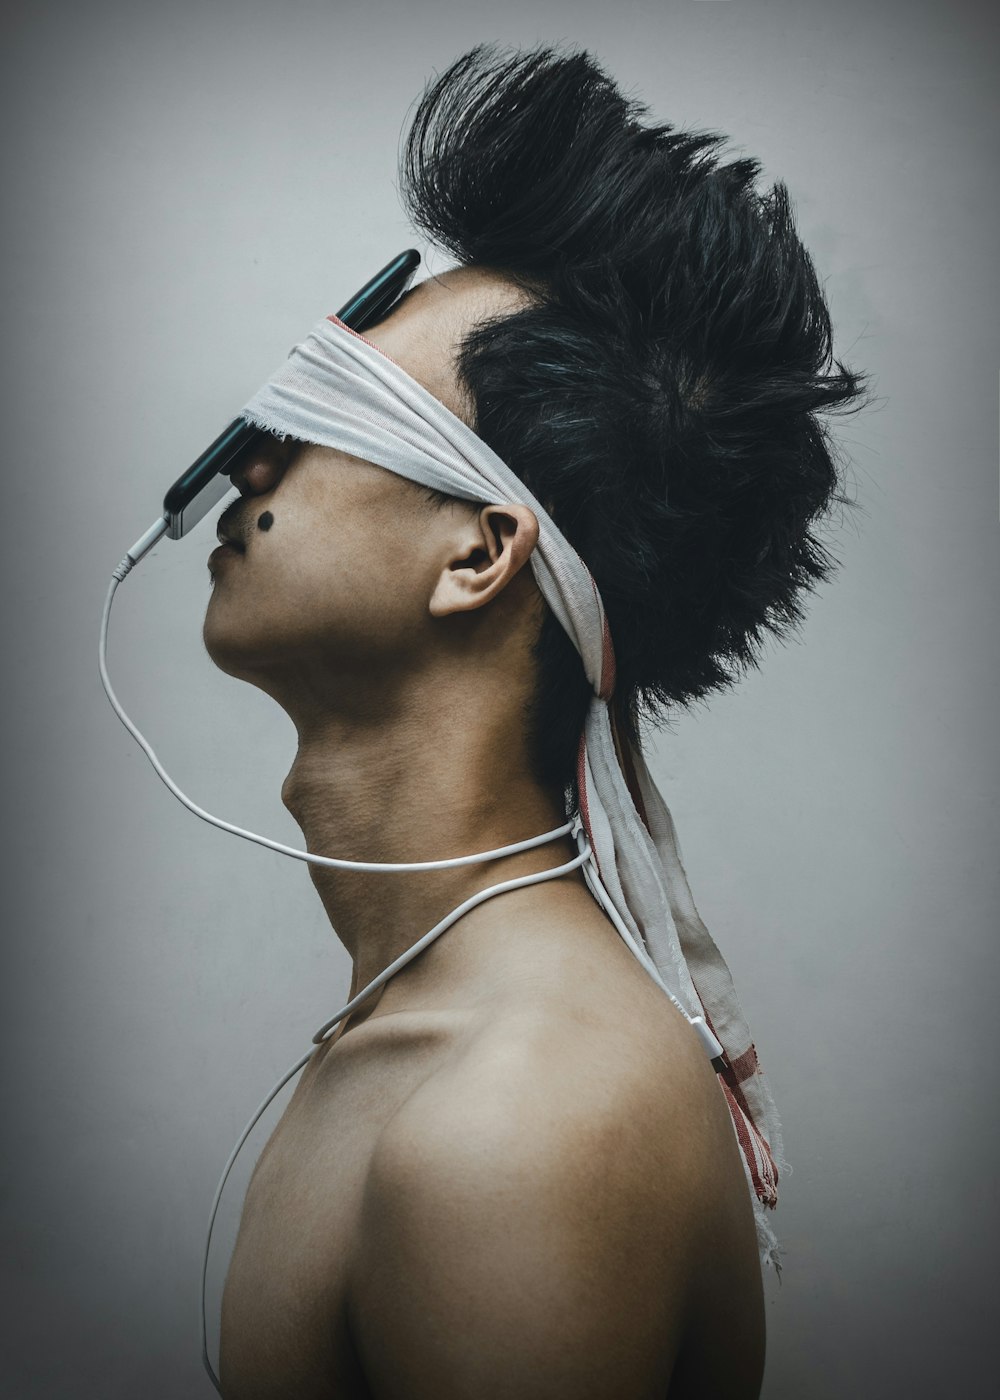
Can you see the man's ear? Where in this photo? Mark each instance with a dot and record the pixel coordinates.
(487, 551)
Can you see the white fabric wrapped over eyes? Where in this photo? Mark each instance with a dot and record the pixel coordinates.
(339, 390)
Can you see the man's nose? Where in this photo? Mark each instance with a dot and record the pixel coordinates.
(260, 469)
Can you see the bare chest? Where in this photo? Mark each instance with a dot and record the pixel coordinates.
(284, 1324)
(285, 1327)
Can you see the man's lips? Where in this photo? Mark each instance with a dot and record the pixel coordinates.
(228, 549)
(231, 542)
(230, 528)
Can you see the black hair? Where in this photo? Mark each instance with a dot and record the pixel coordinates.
(659, 391)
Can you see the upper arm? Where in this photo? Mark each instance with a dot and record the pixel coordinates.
(521, 1251)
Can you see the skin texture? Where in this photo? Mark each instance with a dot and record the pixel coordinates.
(512, 1171)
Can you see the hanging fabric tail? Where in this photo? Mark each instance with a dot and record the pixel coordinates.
(748, 1096)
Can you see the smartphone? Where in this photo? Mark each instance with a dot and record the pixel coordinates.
(206, 481)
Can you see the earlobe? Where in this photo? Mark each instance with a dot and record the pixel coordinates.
(488, 554)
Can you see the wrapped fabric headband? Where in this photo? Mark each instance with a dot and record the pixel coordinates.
(339, 390)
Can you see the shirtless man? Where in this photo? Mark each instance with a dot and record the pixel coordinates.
(512, 1172)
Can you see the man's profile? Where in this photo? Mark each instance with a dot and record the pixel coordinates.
(512, 1171)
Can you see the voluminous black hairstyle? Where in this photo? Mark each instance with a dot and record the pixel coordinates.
(659, 392)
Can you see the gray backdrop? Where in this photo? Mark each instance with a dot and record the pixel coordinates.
(189, 187)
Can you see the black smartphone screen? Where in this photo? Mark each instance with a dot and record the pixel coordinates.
(206, 481)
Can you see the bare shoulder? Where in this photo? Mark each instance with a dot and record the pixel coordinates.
(538, 1217)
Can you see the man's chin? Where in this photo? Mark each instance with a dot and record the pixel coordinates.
(242, 656)
(231, 653)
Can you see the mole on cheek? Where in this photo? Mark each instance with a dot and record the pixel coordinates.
(265, 521)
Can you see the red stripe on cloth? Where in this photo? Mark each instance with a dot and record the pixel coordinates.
(745, 1065)
(609, 669)
(605, 692)
(763, 1173)
(742, 1131)
(338, 322)
(755, 1146)
(606, 686)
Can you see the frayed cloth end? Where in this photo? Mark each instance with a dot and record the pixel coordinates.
(768, 1247)
(257, 421)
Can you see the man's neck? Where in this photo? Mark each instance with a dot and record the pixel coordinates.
(426, 787)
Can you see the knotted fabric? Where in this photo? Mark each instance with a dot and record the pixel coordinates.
(339, 390)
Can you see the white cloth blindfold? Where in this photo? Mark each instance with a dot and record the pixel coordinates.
(339, 390)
